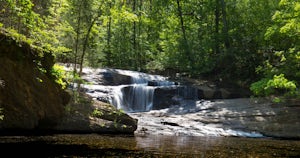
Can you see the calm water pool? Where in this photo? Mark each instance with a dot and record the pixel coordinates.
(94, 145)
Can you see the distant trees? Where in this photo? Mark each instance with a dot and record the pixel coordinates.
(84, 17)
(226, 39)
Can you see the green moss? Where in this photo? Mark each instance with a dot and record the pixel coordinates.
(97, 113)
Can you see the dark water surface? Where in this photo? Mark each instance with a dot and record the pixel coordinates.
(95, 145)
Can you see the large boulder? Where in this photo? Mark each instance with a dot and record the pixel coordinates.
(111, 77)
(93, 116)
(29, 97)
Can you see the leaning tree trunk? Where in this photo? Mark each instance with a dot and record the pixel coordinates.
(86, 43)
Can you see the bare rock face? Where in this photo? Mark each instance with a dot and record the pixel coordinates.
(246, 117)
(29, 98)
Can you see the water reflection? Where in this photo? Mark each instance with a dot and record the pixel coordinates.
(94, 145)
(220, 146)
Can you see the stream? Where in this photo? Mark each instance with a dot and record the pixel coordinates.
(164, 107)
(173, 121)
(156, 146)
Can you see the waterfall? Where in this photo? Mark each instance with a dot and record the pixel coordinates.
(136, 92)
(134, 98)
(138, 96)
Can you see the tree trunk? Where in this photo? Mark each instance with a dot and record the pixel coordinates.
(185, 41)
(225, 28)
(85, 44)
(181, 20)
(108, 42)
(140, 47)
(77, 38)
(217, 23)
(134, 38)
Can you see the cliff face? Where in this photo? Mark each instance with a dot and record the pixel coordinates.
(29, 98)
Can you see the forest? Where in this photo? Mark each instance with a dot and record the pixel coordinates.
(252, 43)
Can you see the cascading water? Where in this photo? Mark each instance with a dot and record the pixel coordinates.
(138, 96)
(133, 98)
(168, 108)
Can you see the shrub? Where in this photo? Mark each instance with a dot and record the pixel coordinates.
(59, 73)
(274, 86)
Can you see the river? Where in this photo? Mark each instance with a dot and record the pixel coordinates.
(95, 145)
(188, 127)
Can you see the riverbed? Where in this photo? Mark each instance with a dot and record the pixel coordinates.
(96, 145)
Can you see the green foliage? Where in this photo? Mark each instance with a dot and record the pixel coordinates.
(283, 59)
(277, 100)
(226, 39)
(278, 85)
(75, 78)
(19, 38)
(284, 37)
(97, 113)
(60, 75)
(258, 88)
(154, 66)
(119, 112)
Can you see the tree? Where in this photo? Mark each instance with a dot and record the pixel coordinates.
(222, 39)
(282, 62)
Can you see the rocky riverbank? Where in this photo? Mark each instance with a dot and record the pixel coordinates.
(31, 102)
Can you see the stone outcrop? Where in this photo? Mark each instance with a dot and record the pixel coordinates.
(29, 97)
(93, 116)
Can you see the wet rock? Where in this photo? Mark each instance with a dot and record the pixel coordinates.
(111, 77)
(177, 112)
(208, 92)
(153, 83)
(103, 99)
(164, 97)
(169, 123)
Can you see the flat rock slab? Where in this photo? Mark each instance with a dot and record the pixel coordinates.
(249, 117)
